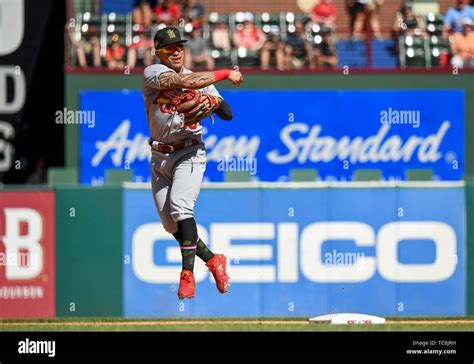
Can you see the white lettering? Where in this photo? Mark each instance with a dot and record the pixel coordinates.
(441, 234)
(117, 144)
(14, 242)
(143, 265)
(6, 148)
(12, 26)
(28, 346)
(287, 252)
(312, 239)
(231, 147)
(376, 148)
(19, 88)
(246, 231)
(335, 268)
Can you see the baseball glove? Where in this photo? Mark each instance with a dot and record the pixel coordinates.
(193, 105)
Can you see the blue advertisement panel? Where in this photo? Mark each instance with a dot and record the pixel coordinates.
(305, 252)
(335, 132)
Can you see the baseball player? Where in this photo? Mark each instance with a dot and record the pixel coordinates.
(178, 157)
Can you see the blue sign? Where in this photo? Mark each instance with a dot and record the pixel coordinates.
(305, 252)
(335, 132)
(117, 139)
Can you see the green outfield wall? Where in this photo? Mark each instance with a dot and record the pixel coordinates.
(470, 243)
(88, 251)
(405, 80)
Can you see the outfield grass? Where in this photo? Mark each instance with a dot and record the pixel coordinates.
(231, 324)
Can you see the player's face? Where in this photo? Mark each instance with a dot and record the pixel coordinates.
(172, 56)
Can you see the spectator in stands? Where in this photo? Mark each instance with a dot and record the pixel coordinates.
(374, 14)
(462, 46)
(326, 53)
(168, 12)
(142, 12)
(470, 40)
(350, 7)
(359, 12)
(407, 23)
(220, 37)
(196, 54)
(140, 50)
(468, 32)
(298, 51)
(325, 12)
(273, 48)
(248, 35)
(87, 48)
(194, 13)
(455, 15)
(115, 54)
(457, 21)
(363, 11)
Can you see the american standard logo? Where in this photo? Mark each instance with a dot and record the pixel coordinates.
(121, 147)
(306, 144)
(301, 142)
(28, 346)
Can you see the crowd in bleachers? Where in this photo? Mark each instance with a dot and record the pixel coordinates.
(283, 41)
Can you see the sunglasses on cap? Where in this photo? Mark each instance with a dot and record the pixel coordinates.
(171, 49)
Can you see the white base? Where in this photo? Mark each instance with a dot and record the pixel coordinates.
(347, 319)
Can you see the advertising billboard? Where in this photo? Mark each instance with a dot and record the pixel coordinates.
(27, 254)
(308, 251)
(273, 132)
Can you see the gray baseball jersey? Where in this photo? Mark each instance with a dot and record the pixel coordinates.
(165, 125)
(176, 177)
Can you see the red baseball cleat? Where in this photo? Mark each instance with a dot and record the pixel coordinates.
(217, 267)
(187, 285)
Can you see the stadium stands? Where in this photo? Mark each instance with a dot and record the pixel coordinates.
(425, 49)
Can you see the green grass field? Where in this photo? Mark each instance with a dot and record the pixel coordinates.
(232, 324)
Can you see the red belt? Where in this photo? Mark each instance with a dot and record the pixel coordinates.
(170, 148)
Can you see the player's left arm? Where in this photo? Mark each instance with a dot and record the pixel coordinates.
(224, 111)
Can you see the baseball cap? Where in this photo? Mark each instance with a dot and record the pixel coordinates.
(248, 16)
(166, 36)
